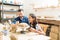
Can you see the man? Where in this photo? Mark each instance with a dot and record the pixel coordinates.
(21, 18)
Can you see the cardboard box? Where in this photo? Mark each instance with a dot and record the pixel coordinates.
(55, 29)
(54, 36)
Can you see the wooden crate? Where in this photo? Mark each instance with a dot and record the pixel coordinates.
(52, 29)
(59, 28)
(53, 36)
(53, 39)
(59, 35)
(55, 29)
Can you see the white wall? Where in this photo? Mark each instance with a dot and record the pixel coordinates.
(46, 12)
(27, 7)
(49, 12)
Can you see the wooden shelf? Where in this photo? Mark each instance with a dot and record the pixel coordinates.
(2, 10)
(11, 4)
(6, 19)
(9, 10)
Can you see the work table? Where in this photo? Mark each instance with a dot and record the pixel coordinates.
(28, 36)
(54, 28)
(46, 21)
(21, 34)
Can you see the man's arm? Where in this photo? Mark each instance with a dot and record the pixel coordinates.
(14, 20)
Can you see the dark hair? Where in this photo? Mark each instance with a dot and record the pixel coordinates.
(19, 10)
(35, 20)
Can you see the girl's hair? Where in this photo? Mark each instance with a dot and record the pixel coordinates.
(35, 20)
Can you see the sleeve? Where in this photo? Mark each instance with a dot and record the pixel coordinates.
(14, 21)
(38, 27)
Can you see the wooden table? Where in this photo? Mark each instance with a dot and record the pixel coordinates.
(53, 29)
(28, 36)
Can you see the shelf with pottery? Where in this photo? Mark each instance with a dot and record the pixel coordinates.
(11, 4)
(9, 7)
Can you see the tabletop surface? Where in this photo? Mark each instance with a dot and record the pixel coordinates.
(28, 36)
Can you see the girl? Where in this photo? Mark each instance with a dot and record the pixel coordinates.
(34, 26)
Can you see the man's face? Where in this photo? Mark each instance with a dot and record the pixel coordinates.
(20, 14)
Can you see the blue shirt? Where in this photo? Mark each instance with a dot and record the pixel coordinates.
(23, 20)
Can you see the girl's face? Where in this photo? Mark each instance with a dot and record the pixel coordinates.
(31, 19)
